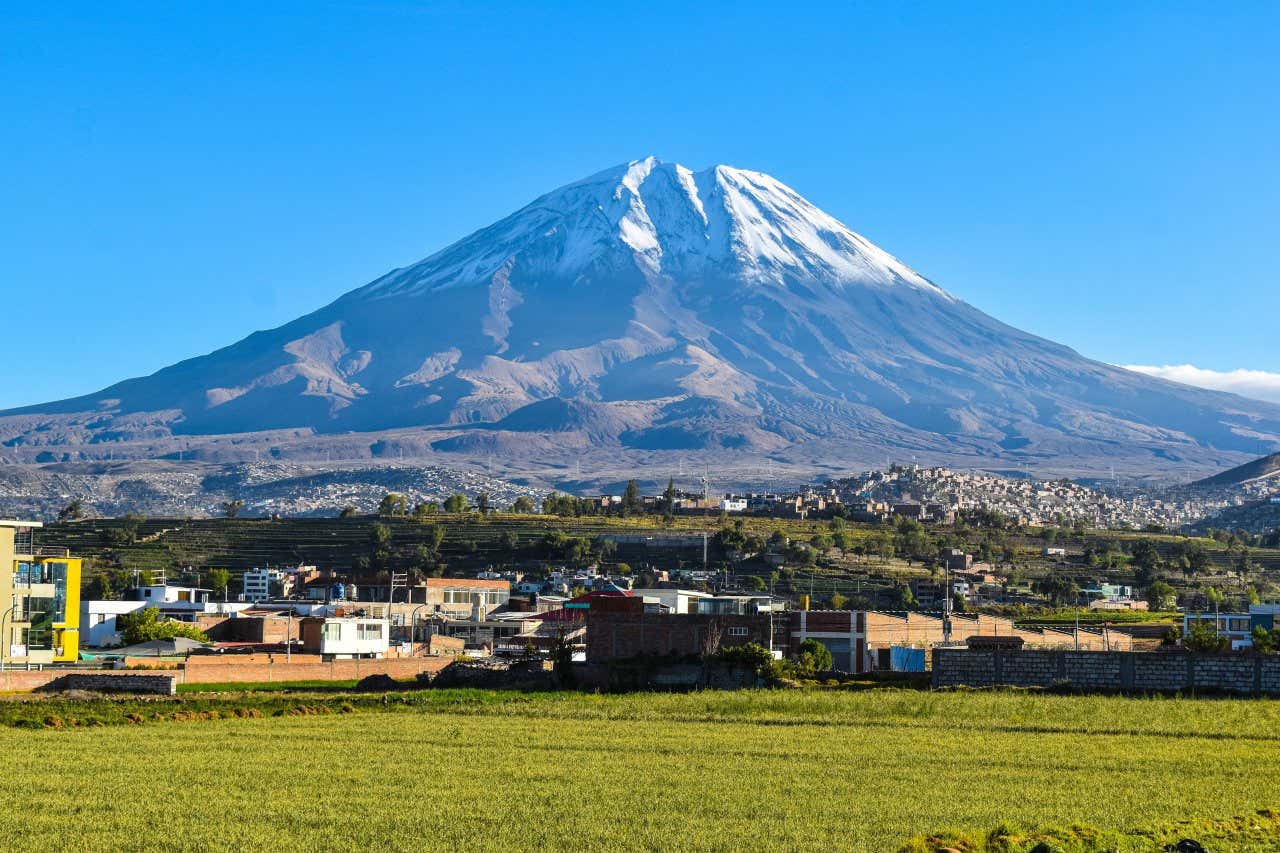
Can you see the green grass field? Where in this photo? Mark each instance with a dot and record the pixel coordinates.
(784, 770)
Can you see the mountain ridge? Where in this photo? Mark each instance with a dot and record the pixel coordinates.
(665, 310)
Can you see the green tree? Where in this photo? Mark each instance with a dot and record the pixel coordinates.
(755, 583)
(144, 625)
(815, 657)
(219, 579)
(129, 526)
(348, 512)
(103, 586)
(1204, 637)
(669, 499)
(1145, 554)
(435, 537)
(393, 505)
(509, 542)
(73, 511)
(631, 502)
(751, 655)
(1264, 641)
(1058, 589)
(456, 504)
(523, 505)
(232, 508)
(425, 510)
(380, 546)
(1161, 596)
(482, 503)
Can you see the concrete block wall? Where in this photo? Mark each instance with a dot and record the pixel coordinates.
(1154, 671)
(164, 685)
(1161, 672)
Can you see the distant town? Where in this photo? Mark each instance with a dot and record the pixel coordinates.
(879, 570)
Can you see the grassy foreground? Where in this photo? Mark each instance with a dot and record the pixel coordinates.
(873, 771)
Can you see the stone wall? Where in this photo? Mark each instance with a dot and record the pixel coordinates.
(1162, 672)
(104, 682)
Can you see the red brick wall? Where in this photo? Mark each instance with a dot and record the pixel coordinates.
(262, 668)
(618, 636)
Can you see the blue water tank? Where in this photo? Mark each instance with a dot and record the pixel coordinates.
(338, 592)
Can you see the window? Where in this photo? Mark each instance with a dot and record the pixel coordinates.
(369, 630)
(738, 631)
(332, 631)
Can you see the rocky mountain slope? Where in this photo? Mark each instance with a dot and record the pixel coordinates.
(1259, 472)
(644, 312)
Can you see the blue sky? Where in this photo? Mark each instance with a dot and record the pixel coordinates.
(175, 176)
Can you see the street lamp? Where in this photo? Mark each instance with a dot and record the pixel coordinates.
(413, 624)
(4, 637)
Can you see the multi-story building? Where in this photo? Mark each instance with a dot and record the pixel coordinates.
(256, 584)
(453, 597)
(39, 599)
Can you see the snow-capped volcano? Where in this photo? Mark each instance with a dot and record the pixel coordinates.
(651, 307)
(665, 220)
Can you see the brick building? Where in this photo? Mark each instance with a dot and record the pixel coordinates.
(625, 630)
(842, 632)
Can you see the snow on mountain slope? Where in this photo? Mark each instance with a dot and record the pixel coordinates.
(649, 308)
(675, 222)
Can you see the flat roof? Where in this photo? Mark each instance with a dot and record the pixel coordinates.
(10, 522)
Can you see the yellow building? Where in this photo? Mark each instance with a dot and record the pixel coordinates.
(39, 599)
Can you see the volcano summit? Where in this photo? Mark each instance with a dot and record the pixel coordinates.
(652, 308)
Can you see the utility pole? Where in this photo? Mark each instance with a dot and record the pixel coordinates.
(946, 608)
(400, 580)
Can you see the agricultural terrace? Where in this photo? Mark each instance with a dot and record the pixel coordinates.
(877, 770)
(861, 563)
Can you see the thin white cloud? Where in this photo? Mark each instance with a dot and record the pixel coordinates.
(1258, 384)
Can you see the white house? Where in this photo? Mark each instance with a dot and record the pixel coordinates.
(672, 600)
(184, 603)
(98, 621)
(346, 637)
